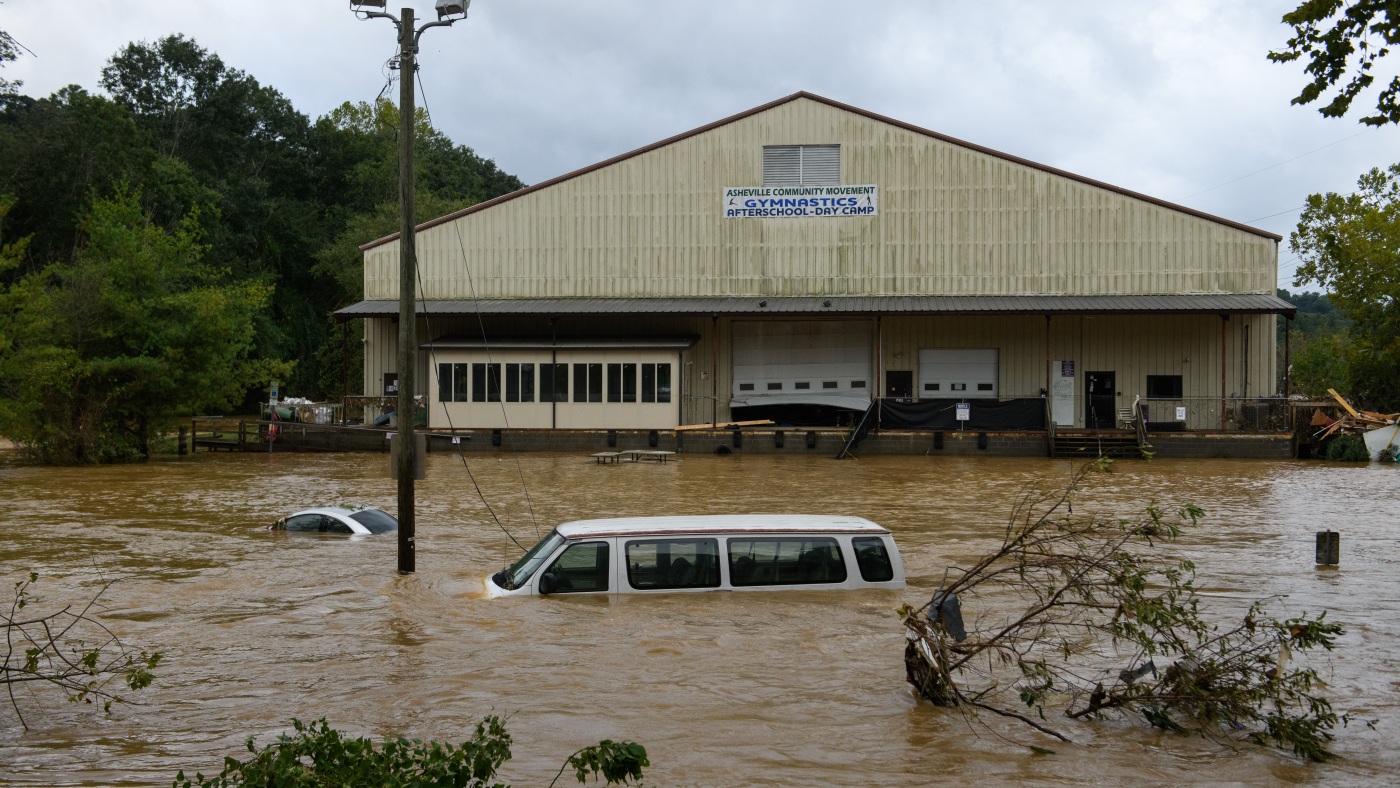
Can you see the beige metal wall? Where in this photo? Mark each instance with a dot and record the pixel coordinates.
(952, 221)
(1132, 347)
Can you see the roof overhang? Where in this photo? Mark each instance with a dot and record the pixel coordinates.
(758, 306)
(545, 343)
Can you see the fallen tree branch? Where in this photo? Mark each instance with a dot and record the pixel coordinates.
(1083, 615)
(71, 651)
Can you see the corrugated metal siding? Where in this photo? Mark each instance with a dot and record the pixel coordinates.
(953, 221)
(1133, 347)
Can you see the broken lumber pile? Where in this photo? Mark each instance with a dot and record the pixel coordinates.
(1353, 421)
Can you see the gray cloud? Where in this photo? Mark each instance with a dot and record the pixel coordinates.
(1166, 99)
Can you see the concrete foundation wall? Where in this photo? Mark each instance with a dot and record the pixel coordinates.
(824, 442)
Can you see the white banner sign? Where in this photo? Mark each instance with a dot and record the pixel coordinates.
(763, 202)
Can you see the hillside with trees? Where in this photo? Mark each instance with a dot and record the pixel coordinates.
(169, 247)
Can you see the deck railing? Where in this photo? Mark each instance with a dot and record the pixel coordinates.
(1216, 414)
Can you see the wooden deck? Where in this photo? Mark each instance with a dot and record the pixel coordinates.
(631, 455)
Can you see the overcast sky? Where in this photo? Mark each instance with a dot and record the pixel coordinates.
(1175, 100)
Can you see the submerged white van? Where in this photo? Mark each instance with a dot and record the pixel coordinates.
(750, 552)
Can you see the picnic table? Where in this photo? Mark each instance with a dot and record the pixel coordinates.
(631, 455)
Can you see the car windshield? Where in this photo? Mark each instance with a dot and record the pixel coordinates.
(376, 521)
(523, 569)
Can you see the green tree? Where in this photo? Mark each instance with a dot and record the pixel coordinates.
(319, 755)
(106, 351)
(1318, 345)
(1350, 245)
(60, 152)
(9, 52)
(1343, 41)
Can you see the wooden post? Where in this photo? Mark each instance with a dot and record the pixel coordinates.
(180, 442)
(1329, 548)
(408, 282)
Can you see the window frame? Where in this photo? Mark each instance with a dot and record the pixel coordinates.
(704, 577)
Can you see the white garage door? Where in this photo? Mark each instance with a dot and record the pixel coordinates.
(802, 361)
(958, 373)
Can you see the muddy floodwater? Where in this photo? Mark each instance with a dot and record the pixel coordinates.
(789, 688)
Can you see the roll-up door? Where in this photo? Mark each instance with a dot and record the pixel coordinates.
(958, 373)
(819, 362)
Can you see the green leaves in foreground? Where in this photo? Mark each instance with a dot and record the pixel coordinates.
(318, 755)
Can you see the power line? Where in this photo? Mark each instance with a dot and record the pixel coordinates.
(1280, 164)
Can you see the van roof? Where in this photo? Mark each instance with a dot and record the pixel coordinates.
(721, 523)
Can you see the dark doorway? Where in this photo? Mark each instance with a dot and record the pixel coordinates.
(899, 383)
(1100, 398)
(391, 384)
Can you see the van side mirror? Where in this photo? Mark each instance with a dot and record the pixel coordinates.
(548, 585)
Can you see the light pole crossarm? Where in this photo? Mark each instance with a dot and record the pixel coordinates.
(439, 23)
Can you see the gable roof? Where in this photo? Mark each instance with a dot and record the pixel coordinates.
(799, 306)
(802, 94)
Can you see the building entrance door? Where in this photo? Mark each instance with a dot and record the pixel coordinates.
(1100, 398)
(899, 383)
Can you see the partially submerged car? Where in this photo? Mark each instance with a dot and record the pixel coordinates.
(338, 520)
(705, 553)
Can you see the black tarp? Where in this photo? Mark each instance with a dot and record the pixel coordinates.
(1027, 413)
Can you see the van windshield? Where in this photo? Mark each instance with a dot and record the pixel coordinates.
(522, 570)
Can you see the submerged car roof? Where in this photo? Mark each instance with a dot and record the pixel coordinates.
(720, 523)
(343, 511)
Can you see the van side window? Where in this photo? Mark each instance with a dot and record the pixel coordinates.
(581, 567)
(785, 561)
(873, 559)
(673, 563)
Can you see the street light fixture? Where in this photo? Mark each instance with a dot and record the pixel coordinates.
(446, 8)
(448, 12)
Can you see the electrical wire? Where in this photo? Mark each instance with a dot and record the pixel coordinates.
(1280, 164)
(481, 325)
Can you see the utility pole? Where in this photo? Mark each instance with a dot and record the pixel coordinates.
(408, 285)
(449, 11)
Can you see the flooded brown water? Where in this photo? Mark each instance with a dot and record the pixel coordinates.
(787, 688)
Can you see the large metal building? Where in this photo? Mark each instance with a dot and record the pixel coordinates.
(803, 258)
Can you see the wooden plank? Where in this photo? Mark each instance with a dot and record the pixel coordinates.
(724, 425)
(1345, 404)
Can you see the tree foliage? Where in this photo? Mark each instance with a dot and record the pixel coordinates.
(103, 352)
(1100, 623)
(1350, 245)
(1342, 42)
(9, 52)
(1318, 345)
(282, 203)
(319, 755)
(67, 649)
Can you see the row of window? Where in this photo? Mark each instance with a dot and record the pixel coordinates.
(656, 564)
(803, 385)
(959, 387)
(482, 382)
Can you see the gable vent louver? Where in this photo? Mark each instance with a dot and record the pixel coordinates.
(808, 165)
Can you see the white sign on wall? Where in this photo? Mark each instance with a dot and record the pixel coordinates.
(1062, 393)
(765, 202)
